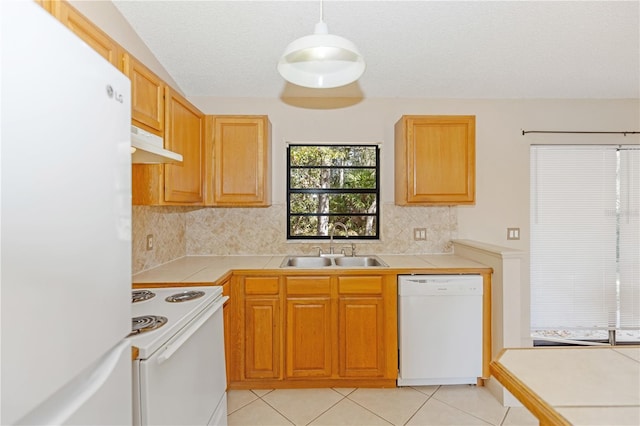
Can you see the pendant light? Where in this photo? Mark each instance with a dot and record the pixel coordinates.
(321, 60)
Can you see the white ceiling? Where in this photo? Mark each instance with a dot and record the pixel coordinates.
(413, 49)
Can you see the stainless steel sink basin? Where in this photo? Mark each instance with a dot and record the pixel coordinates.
(312, 262)
(359, 261)
(305, 262)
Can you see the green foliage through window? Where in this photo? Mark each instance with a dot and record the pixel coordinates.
(333, 183)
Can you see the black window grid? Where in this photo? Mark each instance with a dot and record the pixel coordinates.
(319, 191)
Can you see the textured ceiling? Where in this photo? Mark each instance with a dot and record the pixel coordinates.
(413, 49)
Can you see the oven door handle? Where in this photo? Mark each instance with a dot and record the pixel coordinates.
(181, 340)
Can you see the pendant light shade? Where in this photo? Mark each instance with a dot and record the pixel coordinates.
(321, 60)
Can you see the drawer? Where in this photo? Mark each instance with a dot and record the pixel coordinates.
(261, 285)
(308, 285)
(360, 285)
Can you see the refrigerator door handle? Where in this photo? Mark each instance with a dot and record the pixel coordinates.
(181, 340)
(64, 403)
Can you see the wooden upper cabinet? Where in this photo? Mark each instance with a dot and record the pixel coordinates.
(435, 160)
(86, 31)
(46, 4)
(147, 96)
(238, 158)
(175, 183)
(183, 182)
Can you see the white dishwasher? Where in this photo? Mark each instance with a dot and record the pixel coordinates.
(439, 329)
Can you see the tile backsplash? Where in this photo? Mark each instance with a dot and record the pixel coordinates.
(180, 231)
(167, 225)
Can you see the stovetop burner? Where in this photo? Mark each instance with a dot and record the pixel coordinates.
(140, 295)
(184, 296)
(146, 323)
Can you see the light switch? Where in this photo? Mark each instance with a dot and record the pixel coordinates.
(513, 233)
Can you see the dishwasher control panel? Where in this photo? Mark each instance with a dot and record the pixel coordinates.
(439, 284)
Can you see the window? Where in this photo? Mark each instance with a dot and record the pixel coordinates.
(585, 243)
(333, 183)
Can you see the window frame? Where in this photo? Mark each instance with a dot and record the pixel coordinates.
(330, 191)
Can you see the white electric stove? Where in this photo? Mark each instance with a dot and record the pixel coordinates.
(179, 333)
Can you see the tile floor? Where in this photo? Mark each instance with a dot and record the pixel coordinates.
(421, 405)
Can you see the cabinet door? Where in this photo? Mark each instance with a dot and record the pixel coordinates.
(86, 31)
(309, 326)
(180, 183)
(263, 328)
(361, 327)
(239, 158)
(147, 96)
(435, 160)
(183, 182)
(262, 338)
(361, 336)
(308, 337)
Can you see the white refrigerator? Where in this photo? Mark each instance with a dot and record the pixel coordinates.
(65, 226)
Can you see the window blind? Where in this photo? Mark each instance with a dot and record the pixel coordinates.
(629, 238)
(585, 238)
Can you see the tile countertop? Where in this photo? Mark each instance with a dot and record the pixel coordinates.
(209, 269)
(574, 385)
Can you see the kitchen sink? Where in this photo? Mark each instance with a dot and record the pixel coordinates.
(359, 261)
(312, 262)
(306, 262)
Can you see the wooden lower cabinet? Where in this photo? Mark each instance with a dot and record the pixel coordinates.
(361, 336)
(318, 330)
(308, 327)
(262, 328)
(361, 307)
(262, 338)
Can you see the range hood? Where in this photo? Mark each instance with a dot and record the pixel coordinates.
(147, 148)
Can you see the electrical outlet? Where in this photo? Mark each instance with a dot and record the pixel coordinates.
(513, 233)
(420, 234)
(150, 242)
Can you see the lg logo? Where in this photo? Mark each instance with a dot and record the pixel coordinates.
(113, 94)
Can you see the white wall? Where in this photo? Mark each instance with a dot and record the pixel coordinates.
(502, 163)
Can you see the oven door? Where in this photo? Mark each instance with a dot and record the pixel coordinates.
(184, 381)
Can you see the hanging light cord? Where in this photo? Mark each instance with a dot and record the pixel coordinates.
(321, 12)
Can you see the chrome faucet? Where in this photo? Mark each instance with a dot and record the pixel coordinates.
(333, 230)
